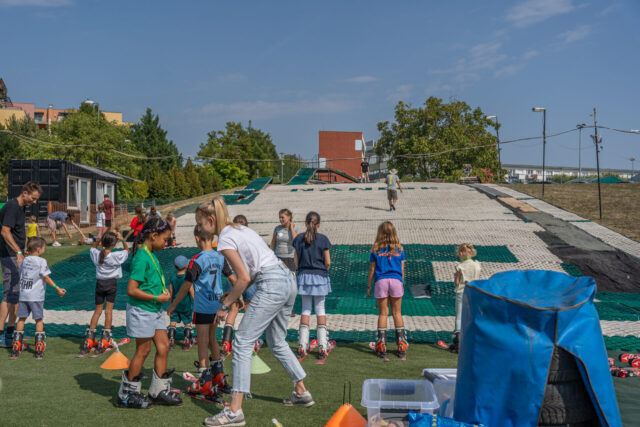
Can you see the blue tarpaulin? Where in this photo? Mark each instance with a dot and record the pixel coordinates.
(510, 325)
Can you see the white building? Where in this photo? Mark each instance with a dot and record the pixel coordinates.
(529, 173)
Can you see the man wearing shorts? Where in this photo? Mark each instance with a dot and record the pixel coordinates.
(108, 212)
(365, 171)
(12, 240)
(393, 185)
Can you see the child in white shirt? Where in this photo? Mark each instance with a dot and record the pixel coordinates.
(33, 273)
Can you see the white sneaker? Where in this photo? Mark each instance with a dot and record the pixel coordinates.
(56, 244)
(224, 418)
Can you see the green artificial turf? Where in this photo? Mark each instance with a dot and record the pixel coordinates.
(64, 390)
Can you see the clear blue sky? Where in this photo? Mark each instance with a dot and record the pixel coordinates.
(298, 67)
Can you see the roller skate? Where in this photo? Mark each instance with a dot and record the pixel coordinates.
(171, 333)
(41, 345)
(90, 343)
(105, 342)
(402, 344)
(160, 390)
(130, 396)
(18, 346)
(188, 338)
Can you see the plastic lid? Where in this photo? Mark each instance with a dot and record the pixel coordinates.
(418, 395)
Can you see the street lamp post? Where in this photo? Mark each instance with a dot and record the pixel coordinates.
(580, 126)
(498, 143)
(92, 103)
(544, 140)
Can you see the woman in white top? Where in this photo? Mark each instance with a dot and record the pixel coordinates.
(253, 262)
(108, 271)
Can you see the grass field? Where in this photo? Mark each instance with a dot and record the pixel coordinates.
(620, 203)
(64, 390)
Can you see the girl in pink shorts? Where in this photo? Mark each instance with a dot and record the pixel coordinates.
(387, 271)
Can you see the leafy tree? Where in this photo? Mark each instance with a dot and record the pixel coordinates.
(180, 183)
(236, 142)
(209, 179)
(150, 139)
(160, 185)
(437, 139)
(193, 179)
(132, 190)
(12, 147)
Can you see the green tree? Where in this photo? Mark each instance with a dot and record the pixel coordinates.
(236, 142)
(437, 139)
(150, 139)
(193, 179)
(160, 185)
(209, 179)
(12, 147)
(182, 190)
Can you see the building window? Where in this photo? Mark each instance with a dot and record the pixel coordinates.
(72, 193)
(38, 117)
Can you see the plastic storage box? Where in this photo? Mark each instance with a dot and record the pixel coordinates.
(391, 400)
(444, 384)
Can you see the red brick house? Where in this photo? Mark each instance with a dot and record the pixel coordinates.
(341, 151)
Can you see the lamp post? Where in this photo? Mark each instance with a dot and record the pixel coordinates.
(282, 167)
(580, 126)
(544, 140)
(92, 103)
(500, 176)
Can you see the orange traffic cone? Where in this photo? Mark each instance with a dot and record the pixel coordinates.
(117, 361)
(346, 416)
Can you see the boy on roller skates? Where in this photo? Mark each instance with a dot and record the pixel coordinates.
(108, 270)
(204, 275)
(184, 310)
(387, 271)
(34, 272)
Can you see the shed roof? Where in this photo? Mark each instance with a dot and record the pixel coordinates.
(104, 173)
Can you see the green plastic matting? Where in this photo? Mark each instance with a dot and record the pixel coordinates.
(302, 177)
(259, 183)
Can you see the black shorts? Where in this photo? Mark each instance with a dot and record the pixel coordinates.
(203, 318)
(289, 263)
(106, 289)
(107, 222)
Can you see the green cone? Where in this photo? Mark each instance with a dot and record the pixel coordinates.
(258, 366)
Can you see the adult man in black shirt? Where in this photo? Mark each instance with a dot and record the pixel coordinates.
(365, 171)
(12, 243)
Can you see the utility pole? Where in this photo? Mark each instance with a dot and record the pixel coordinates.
(580, 126)
(597, 141)
(632, 159)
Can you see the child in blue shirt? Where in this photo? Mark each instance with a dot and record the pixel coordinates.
(204, 273)
(387, 271)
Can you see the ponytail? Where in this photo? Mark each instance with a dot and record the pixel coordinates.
(311, 221)
(108, 241)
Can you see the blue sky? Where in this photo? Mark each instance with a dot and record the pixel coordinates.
(298, 67)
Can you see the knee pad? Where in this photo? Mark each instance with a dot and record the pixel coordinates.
(319, 305)
(306, 305)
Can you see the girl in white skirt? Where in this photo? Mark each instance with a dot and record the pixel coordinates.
(313, 261)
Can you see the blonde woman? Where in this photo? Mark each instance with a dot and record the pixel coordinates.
(253, 262)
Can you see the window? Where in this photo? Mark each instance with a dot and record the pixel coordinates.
(103, 188)
(72, 193)
(109, 188)
(38, 117)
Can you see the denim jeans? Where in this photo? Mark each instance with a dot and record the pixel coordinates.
(459, 311)
(269, 311)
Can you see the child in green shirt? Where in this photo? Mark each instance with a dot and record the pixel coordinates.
(184, 310)
(147, 292)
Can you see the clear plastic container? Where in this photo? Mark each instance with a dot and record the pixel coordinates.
(389, 400)
(444, 384)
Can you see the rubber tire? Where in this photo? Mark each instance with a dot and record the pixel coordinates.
(563, 367)
(566, 403)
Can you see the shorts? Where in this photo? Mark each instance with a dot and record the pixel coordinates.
(203, 318)
(35, 308)
(392, 194)
(247, 294)
(183, 317)
(107, 222)
(388, 288)
(144, 324)
(53, 224)
(10, 279)
(290, 263)
(106, 289)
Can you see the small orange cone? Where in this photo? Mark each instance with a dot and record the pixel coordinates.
(346, 416)
(117, 361)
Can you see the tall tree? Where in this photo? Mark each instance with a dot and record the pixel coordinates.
(437, 139)
(151, 139)
(193, 179)
(235, 142)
